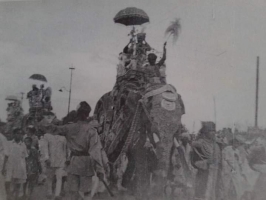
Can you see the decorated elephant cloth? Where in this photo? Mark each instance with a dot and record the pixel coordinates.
(165, 108)
(115, 114)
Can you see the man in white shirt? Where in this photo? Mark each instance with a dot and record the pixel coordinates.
(55, 162)
(16, 173)
(3, 160)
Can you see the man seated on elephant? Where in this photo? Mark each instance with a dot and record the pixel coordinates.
(152, 69)
(137, 52)
(139, 48)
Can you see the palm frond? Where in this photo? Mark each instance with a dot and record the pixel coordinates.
(173, 29)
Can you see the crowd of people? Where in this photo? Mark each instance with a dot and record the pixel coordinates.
(209, 166)
(43, 156)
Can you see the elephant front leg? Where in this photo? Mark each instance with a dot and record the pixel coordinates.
(162, 175)
(163, 151)
(142, 175)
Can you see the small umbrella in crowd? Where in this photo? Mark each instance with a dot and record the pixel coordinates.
(11, 98)
(38, 77)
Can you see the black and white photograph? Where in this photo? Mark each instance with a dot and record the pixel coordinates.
(132, 100)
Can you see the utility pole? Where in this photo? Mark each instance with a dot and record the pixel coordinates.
(257, 93)
(70, 88)
(214, 105)
(22, 95)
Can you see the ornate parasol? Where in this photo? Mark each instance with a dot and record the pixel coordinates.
(38, 77)
(131, 16)
(11, 98)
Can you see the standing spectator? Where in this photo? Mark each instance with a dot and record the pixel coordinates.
(56, 160)
(9, 137)
(3, 161)
(86, 151)
(207, 158)
(43, 150)
(257, 160)
(33, 167)
(16, 165)
(233, 177)
(31, 132)
(182, 170)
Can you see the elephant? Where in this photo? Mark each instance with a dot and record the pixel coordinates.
(133, 115)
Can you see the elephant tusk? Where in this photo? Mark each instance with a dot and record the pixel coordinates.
(155, 138)
(176, 143)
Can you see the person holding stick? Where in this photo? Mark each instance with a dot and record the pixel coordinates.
(86, 151)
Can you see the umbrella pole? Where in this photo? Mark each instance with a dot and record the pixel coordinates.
(70, 89)
(168, 38)
(133, 31)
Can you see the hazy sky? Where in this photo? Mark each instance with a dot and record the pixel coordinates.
(215, 54)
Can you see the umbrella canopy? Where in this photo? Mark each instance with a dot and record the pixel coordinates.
(131, 16)
(11, 98)
(38, 77)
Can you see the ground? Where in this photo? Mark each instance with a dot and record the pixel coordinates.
(40, 194)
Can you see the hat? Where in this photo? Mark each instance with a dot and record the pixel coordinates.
(83, 107)
(185, 135)
(207, 127)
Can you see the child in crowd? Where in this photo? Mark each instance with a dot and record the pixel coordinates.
(9, 137)
(3, 161)
(16, 165)
(32, 133)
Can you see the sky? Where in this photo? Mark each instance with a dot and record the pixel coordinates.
(214, 57)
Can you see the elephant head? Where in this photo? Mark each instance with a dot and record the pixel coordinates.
(164, 107)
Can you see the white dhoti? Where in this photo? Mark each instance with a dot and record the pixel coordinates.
(2, 188)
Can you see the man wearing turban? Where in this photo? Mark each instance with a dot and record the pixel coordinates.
(86, 150)
(207, 159)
